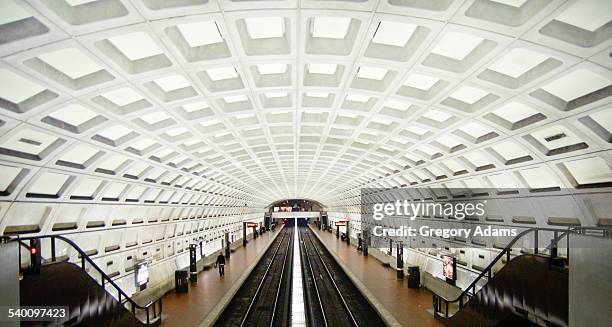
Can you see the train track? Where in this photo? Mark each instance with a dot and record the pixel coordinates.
(264, 299)
(331, 297)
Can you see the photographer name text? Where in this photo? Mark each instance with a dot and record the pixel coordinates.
(428, 231)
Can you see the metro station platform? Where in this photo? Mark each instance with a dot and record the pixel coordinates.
(410, 307)
(207, 295)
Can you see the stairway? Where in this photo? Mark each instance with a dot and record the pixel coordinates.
(92, 297)
(65, 284)
(528, 291)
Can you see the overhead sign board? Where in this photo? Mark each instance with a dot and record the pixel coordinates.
(251, 224)
(341, 223)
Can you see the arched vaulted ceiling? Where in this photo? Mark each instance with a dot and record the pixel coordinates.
(255, 101)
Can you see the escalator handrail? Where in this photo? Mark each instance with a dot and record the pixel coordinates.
(103, 275)
(506, 251)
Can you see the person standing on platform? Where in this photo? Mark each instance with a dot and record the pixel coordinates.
(221, 264)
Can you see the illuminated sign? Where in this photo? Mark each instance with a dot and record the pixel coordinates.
(341, 223)
(283, 209)
(142, 273)
(251, 224)
(449, 268)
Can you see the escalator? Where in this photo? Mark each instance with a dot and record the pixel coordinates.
(91, 296)
(528, 291)
(65, 284)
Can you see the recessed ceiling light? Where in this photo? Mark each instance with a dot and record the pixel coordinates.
(348, 115)
(399, 105)
(276, 94)
(588, 15)
(427, 150)
(369, 72)
(392, 33)
(469, 94)
(79, 154)
(331, 27)
(191, 107)
(71, 62)
(12, 12)
(421, 82)
(191, 142)
(200, 33)
(115, 132)
(514, 112)
(209, 122)
(172, 82)
(416, 130)
(74, 3)
(514, 3)
(122, 96)
(268, 69)
(517, 62)
(265, 27)
(575, 84)
(176, 132)
(603, 118)
(314, 111)
(143, 144)
(457, 45)
(357, 98)
(448, 141)
(280, 112)
(17, 89)
(474, 129)
(221, 73)
(49, 184)
(509, 150)
(154, 117)
(243, 116)
(235, 98)
(74, 114)
(327, 69)
(317, 94)
(220, 135)
(438, 116)
(136, 45)
(382, 120)
(589, 170)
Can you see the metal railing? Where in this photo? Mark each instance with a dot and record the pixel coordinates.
(552, 248)
(152, 309)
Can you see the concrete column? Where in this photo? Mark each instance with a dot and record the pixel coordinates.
(244, 235)
(400, 260)
(9, 278)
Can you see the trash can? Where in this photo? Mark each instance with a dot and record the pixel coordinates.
(181, 285)
(414, 277)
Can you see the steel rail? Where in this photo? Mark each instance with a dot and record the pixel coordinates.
(346, 306)
(261, 282)
(314, 280)
(281, 280)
